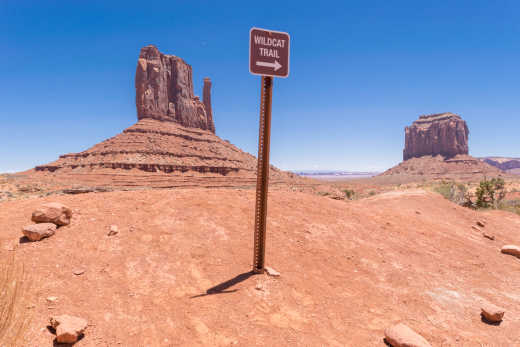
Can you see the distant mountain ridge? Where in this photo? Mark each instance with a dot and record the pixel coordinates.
(503, 163)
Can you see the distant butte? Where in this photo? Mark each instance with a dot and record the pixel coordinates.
(436, 145)
(443, 134)
(172, 144)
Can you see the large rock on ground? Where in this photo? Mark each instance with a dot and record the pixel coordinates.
(52, 212)
(443, 134)
(164, 91)
(492, 313)
(401, 335)
(36, 232)
(68, 328)
(511, 250)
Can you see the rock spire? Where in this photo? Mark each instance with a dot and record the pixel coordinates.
(164, 91)
(206, 100)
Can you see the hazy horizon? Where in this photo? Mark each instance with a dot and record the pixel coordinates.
(359, 74)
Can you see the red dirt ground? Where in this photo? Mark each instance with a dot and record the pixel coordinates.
(349, 269)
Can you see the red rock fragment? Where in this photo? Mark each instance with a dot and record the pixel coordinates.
(36, 232)
(68, 328)
(492, 313)
(53, 212)
(511, 250)
(401, 335)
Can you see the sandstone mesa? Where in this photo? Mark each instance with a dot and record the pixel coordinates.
(436, 145)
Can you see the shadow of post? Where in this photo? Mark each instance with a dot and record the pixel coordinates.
(222, 287)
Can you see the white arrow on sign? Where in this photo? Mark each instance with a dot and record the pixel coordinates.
(276, 65)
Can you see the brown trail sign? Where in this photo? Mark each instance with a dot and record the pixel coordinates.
(269, 53)
(269, 57)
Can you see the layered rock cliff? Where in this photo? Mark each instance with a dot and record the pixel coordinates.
(444, 134)
(164, 91)
(173, 143)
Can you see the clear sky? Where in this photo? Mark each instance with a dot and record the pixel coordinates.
(360, 72)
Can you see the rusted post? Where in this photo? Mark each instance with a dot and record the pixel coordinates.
(262, 178)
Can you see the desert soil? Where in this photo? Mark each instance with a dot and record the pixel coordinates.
(177, 272)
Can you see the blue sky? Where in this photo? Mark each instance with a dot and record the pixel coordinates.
(360, 72)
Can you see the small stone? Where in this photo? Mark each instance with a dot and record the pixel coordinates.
(475, 228)
(492, 313)
(53, 212)
(52, 299)
(68, 328)
(418, 212)
(78, 272)
(401, 335)
(271, 272)
(481, 223)
(488, 236)
(258, 286)
(36, 232)
(511, 250)
(114, 230)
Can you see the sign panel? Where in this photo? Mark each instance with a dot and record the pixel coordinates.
(269, 53)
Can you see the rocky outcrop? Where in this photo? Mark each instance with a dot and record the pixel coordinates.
(206, 100)
(173, 143)
(164, 91)
(444, 134)
(462, 166)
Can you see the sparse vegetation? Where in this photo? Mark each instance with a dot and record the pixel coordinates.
(510, 205)
(490, 193)
(349, 193)
(455, 192)
(14, 315)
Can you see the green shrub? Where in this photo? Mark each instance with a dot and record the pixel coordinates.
(349, 193)
(490, 193)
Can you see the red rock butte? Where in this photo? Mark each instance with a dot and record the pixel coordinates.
(443, 134)
(436, 145)
(172, 144)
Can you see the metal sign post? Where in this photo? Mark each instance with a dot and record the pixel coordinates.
(268, 57)
(262, 173)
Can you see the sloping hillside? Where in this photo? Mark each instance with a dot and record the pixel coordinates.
(176, 274)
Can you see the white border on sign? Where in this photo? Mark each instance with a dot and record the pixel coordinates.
(288, 52)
